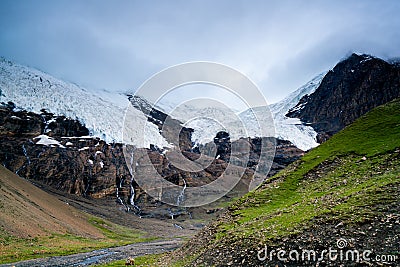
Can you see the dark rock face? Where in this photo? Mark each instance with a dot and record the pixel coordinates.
(285, 154)
(354, 86)
(19, 123)
(82, 165)
(165, 123)
(78, 164)
(223, 142)
(61, 126)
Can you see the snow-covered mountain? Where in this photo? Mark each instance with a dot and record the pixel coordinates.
(291, 129)
(207, 121)
(101, 112)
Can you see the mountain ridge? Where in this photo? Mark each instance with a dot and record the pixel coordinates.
(103, 112)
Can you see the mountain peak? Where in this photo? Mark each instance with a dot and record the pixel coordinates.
(353, 87)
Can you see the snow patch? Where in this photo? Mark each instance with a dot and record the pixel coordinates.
(47, 141)
(367, 58)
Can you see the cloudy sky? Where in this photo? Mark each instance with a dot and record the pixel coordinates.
(117, 45)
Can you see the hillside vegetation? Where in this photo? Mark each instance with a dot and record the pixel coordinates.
(346, 188)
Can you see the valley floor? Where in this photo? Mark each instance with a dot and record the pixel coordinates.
(103, 255)
(114, 212)
(117, 234)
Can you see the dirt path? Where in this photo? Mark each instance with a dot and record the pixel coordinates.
(103, 255)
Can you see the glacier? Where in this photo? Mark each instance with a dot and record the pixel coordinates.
(207, 121)
(292, 129)
(102, 112)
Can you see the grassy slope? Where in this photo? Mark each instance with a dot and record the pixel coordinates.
(341, 180)
(35, 224)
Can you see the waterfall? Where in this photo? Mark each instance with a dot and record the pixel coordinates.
(181, 196)
(26, 154)
(131, 164)
(23, 166)
(118, 197)
(172, 214)
(132, 196)
(132, 201)
(27, 158)
(120, 201)
(45, 123)
(121, 180)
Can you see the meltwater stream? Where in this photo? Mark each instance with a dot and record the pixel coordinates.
(102, 255)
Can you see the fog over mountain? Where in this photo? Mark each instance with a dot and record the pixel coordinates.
(118, 46)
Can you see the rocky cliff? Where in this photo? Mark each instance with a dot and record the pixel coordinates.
(56, 151)
(352, 88)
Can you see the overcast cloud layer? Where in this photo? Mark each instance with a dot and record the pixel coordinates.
(117, 45)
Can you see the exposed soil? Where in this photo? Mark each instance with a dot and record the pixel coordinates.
(26, 211)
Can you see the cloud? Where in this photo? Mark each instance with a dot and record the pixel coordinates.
(118, 45)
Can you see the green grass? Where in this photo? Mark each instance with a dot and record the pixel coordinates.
(287, 206)
(147, 260)
(374, 133)
(347, 186)
(111, 264)
(347, 178)
(14, 249)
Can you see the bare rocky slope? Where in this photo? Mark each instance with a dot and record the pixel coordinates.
(27, 211)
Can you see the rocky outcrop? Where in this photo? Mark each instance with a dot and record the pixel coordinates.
(285, 154)
(352, 88)
(19, 124)
(57, 152)
(223, 142)
(166, 125)
(62, 127)
(53, 150)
